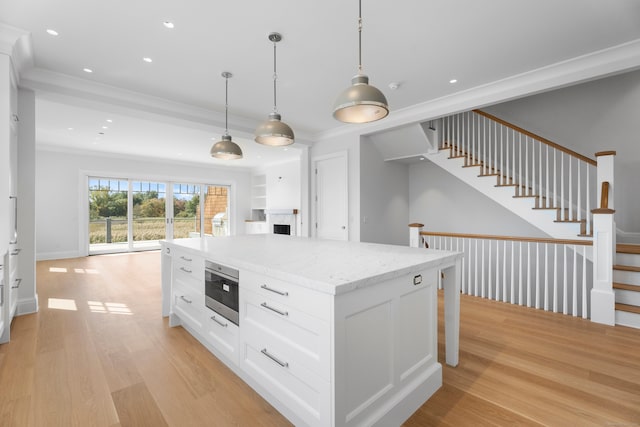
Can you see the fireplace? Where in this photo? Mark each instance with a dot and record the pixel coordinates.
(282, 221)
(281, 229)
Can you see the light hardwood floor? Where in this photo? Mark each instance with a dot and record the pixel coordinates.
(99, 354)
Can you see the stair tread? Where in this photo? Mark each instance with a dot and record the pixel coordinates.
(625, 248)
(626, 268)
(628, 308)
(626, 287)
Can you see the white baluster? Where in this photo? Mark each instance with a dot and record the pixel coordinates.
(533, 167)
(536, 271)
(546, 280)
(565, 283)
(585, 315)
(555, 179)
(562, 214)
(540, 193)
(579, 204)
(570, 201)
(528, 274)
(504, 271)
(555, 278)
(574, 308)
(475, 282)
(520, 296)
(498, 285)
(547, 199)
(513, 270)
(526, 165)
(482, 288)
(589, 225)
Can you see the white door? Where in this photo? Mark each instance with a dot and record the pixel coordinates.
(331, 197)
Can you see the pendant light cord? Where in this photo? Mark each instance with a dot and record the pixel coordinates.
(360, 37)
(275, 79)
(226, 105)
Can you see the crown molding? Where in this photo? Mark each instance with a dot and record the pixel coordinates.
(72, 90)
(16, 44)
(606, 62)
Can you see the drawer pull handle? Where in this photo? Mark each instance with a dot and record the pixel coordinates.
(275, 310)
(186, 270)
(186, 259)
(16, 251)
(215, 319)
(17, 282)
(275, 359)
(185, 299)
(275, 291)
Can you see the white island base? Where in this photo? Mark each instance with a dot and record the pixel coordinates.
(345, 345)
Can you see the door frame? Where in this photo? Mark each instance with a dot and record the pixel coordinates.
(344, 155)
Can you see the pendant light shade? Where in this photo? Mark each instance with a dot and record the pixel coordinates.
(361, 102)
(274, 131)
(226, 149)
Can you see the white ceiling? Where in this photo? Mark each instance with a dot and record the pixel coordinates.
(421, 45)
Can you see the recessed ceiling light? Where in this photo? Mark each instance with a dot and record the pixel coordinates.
(421, 158)
(69, 128)
(286, 149)
(52, 32)
(168, 24)
(147, 59)
(105, 127)
(109, 121)
(87, 70)
(452, 81)
(394, 85)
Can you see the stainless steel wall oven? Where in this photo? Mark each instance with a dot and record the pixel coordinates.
(221, 290)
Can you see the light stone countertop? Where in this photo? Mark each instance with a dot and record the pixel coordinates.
(329, 266)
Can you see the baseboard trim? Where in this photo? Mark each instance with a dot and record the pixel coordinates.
(27, 306)
(44, 256)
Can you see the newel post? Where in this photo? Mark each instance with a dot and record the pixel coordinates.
(604, 243)
(415, 240)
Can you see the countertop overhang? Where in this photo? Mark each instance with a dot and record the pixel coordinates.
(329, 266)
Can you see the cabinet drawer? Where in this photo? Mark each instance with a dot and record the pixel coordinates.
(307, 300)
(309, 400)
(188, 305)
(191, 262)
(221, 334)
(189, 278)
(303, 339)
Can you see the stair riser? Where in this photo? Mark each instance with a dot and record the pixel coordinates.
(628, 259)
(625, 318)
(627, 297)
(629, 277)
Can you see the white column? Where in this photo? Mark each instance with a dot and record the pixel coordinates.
(415, 240)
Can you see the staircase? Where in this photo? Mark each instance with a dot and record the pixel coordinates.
(626, 285)
(551, 187)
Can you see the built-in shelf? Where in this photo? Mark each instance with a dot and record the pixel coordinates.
(259, 191)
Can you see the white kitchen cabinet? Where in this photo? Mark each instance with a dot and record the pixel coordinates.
(256, 227)
(330, 333)
(187, 290)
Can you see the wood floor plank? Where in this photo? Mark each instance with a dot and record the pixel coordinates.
(137, 408)
(115, 357)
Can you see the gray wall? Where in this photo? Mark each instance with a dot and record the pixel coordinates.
(384, 197)
(444, 203)
(596, 116)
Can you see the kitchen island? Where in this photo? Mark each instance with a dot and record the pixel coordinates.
(331, 333)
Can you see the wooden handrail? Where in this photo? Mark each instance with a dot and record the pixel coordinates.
(509, 238)
(537, 137)
(604, 198)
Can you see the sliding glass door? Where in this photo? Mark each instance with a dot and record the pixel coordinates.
(108, 213)
(149, 214)
(133, 215)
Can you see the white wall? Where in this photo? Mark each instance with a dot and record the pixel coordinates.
(384, 197)
(349, 142)
(283, 185)
(60, 183)
(601, 115)
(444, 203)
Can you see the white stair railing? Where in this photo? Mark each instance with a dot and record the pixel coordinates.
(558, 178)
(549, 274)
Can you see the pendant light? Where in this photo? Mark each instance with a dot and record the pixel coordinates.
(274, 132)
(226, 149)
(361, 102)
